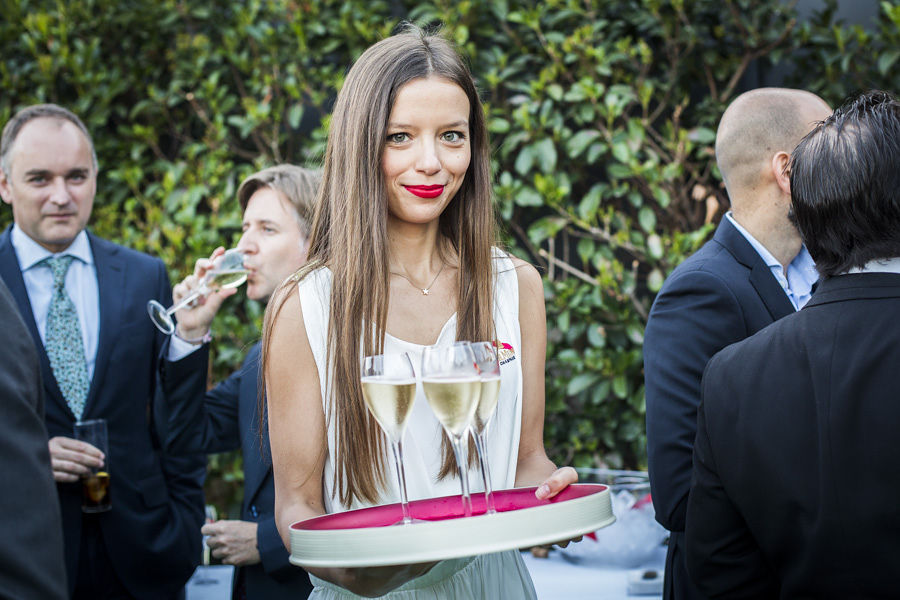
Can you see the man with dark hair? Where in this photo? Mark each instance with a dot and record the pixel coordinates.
(795, 482)
(753, 272)
(278, 207)
(83, 300)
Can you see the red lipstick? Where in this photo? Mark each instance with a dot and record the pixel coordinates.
(425, 191)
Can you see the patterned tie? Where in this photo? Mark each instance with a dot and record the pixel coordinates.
(65, 347)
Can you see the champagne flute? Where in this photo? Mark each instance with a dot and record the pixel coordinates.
(229, 272)
(452, 387)
(389, 390)
(489, 371)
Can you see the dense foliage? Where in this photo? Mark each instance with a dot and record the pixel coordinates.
(603, 117)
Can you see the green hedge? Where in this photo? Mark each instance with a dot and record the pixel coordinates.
(603, 117)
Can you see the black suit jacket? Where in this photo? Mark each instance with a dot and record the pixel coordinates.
(226, 418)
(152, 532)
(31, 550)
(720, 295)
(796, 483)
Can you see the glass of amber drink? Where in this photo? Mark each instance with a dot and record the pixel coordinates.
(95, 485)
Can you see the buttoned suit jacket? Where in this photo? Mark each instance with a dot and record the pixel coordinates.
(723, 293)
(795, 468)
(152, 532)
(227, 418)
(31, 549)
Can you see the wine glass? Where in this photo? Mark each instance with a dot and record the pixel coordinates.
(489, 371)
(389, 390)
(452, 387)
(229, 272)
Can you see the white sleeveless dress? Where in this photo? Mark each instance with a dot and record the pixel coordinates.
(500, 575)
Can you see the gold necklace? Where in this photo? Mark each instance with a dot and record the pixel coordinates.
(426, 289)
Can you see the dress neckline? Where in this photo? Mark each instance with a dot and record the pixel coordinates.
(440, 336)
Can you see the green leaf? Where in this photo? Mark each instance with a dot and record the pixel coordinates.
(655, 280)
(545, 228)
(525, 160)
(579, 383)
(580, 141)
(702, 135)
(655, 246)
(527, 196)
(887, 60)
(647, 219)
(546, 154)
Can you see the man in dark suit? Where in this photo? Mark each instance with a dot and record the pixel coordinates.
(277, 204)
(795, 484)
(31, 548)
(753, 272)
(83, 300)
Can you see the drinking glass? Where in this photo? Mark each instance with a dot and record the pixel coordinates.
(489, 371)
(202, 575)
(389, 390)
(229, 272)
(95, 485)
(453, 387)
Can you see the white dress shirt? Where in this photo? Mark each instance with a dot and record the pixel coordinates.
(81, 285)
(880, 265)
(801, 274)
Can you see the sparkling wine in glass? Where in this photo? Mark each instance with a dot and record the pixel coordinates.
(229, 272)
(389, 390)
(453, 387)
(489, 371)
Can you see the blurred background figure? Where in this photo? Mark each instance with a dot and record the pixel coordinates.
(83, 301)
(31, 548)
(277, 204)
(754, 271)
(795, 482)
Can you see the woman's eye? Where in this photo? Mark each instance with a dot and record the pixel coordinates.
(453, 136)
(398, 138)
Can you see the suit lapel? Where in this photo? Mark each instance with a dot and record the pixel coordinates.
(770, 291)
(110, 285)
(11, 273)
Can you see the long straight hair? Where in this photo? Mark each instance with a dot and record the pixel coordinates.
(349, 237)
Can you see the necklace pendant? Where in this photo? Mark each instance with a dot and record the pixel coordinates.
(424, 291)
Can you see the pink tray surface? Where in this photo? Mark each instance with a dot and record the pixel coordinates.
(446, 507)
(364, 537)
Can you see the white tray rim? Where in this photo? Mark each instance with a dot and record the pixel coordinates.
(452, 538)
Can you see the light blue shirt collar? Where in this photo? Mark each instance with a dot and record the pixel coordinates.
(801, 272)
(30, 253)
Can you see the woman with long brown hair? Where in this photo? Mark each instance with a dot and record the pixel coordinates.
(402, 257)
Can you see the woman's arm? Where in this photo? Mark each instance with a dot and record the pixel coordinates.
(533, 467)
(297, 435)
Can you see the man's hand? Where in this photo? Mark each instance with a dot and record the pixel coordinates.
(194, 321)
(72, 459)
(234, 542)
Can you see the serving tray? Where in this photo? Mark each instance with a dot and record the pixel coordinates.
(367, 537)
